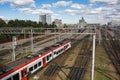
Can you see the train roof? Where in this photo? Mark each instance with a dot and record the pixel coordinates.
(12, 65)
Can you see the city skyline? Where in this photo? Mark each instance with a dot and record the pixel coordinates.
(70, 11)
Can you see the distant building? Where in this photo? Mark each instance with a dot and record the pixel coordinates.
(114, 23)
(45, 19)
(82, 23)
(93, 25)
(72, 25)
(58, 23)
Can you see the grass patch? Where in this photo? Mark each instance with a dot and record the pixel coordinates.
(101, 60)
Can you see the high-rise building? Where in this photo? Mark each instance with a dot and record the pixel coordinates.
(48, 19)
(42, 19)
(45, 19)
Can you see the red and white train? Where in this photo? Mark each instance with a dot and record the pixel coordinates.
(19, 70)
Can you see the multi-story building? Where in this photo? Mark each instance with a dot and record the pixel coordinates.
(82, 23)
(45, 19)
(58, 23)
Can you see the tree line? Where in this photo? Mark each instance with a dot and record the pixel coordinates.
(20, 24)
(25, 23)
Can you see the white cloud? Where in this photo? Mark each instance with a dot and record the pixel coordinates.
(62, 3)
(23, 2)
(113, 15)
(76, 11)
(39, 12)
(46, 6)
(19, 2)
(106, 13)
(42, 11)
(77, 6)
(4, 1)
(2, 17)
(70, 11)
(105, 1)
(35, 11)
(99, 10)
(94, 12)
(103, 9)
(54, 16)
(26, 10)
(100, 14)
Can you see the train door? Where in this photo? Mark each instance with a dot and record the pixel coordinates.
(64, 48)
(24, 74)
(44, 61)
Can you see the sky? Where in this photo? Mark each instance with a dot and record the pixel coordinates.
(69, 11)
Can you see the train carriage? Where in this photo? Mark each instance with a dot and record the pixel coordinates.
(19, 70)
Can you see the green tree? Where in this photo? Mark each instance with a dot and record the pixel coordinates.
(45, 25)
(40, 24)
(2, 23)
(53, 25)
(11, 23)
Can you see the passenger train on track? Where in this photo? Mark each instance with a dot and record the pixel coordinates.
(20, 69)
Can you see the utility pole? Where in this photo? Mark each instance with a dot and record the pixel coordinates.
(106, 32)
(93, 57)
(14, 43)
(31, 40)
(55, 35)
(99, 35)
(59, 37)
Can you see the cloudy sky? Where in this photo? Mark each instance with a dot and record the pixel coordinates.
(70, 11)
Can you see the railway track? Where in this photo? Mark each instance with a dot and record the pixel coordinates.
(78, 70)
(113, 51)
(57, 65)
(106, 73)
(7, 57)
(6, 51)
